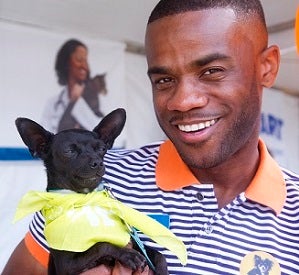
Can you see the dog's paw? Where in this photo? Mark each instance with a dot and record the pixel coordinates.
(132, 259)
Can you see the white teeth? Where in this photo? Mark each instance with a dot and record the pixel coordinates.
(196, 127)
(201, 126)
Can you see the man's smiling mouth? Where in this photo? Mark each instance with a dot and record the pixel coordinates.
(196, 126)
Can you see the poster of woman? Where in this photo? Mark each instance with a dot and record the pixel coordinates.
(60, 81)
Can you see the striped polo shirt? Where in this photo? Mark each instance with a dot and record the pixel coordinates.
(258, 230)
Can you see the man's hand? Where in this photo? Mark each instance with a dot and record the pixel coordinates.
(121, 270)
(118, 269)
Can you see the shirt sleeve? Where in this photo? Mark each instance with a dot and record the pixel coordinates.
(35, 240)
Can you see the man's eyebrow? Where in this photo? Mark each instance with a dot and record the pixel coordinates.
(209, 59)
(196, 63)
(157, 70)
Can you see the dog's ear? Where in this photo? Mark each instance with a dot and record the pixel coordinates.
(34, 136)
(111, 126)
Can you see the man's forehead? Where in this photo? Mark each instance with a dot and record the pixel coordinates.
(205, 25)
(191, 25)
(244, 8)
(212, 13)
(202, 21)
(211, 16)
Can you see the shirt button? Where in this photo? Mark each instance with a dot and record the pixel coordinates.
(199, 196)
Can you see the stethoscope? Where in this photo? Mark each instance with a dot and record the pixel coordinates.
(59, 100)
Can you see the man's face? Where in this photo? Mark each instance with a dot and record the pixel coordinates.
(78, 65)
(205, 81)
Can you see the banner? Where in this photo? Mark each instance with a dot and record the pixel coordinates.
(28, 80)
(280, 127)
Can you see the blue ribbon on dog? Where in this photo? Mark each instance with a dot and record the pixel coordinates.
(134, 235)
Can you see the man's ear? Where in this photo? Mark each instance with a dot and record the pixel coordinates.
(270, 60)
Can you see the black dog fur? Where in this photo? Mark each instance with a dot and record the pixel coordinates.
(74, 160)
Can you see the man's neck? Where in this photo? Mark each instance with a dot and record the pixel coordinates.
(230, 178)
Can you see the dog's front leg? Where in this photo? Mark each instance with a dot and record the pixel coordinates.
(158, 261)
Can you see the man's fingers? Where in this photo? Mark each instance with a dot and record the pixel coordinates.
(117, 270)
(121, 270)
(146, 271)
(101, 269)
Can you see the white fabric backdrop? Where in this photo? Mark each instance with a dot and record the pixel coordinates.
(142, 126)
(16, 179)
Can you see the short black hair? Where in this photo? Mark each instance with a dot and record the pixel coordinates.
(241, 7)
(63, 58)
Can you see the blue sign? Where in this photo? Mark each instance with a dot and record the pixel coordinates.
(271, 125)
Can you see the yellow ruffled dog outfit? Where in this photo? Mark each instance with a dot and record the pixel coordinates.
(75, 222)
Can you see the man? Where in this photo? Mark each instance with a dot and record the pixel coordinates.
(226, 198)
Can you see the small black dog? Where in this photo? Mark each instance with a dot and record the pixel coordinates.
(74, 161)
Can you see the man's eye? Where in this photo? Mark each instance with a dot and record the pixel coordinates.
(163, 83)
(163, 80)
(213, 71)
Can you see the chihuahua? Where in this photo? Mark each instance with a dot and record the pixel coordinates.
(74, 161)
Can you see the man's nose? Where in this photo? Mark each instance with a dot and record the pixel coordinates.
(188, 95)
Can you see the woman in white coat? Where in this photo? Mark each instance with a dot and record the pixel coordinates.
(77, 105)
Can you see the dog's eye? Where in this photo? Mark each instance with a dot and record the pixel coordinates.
(101, 149)
(70, 152)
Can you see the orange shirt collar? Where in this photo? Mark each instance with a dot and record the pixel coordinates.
(267, 187)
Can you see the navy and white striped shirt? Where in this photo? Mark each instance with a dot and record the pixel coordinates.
(261, 225)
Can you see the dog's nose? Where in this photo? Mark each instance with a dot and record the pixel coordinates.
(95, 164)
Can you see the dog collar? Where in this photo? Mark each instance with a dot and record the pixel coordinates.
(102, 185)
